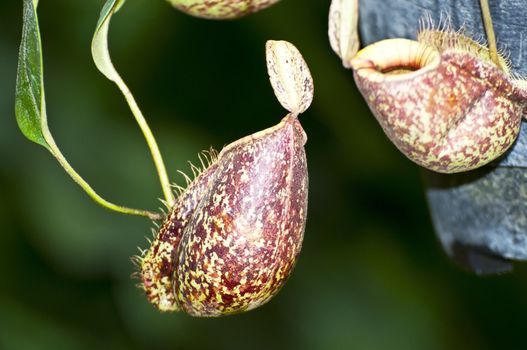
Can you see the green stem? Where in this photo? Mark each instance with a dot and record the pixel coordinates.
(87, 188)
(103, 61)
(489, 30)
(150, 140)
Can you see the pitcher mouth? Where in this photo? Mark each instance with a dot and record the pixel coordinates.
(395, 59)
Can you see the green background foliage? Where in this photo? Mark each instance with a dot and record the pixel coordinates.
(371, 274)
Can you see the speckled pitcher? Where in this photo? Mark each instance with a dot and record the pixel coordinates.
(480, 216)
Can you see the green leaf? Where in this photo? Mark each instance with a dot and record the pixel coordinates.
(99, 46)
(30, 108)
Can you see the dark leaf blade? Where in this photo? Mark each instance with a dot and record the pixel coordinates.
(29, 100)
(110, 7)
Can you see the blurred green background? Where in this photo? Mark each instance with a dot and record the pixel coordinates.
(371, 274)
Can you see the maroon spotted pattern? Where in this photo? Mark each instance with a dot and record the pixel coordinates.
(241, 244)
(221, 9)
(458, 116)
